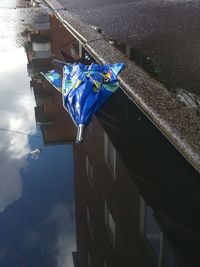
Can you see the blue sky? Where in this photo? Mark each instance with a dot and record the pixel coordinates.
(36, 182)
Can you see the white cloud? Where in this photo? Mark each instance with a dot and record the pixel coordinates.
(65, 246)
(34, 154)
(60, 244)
(66, 242)
(7, 4)
(63, 216)
(11, 182)
(16, 109)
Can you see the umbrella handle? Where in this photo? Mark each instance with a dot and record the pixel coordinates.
(79, 137)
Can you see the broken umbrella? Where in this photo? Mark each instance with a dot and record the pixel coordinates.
(85, 88)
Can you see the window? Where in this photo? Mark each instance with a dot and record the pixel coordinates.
(154, 238)
(90, 224)
(110, 154)
(110, 224)
(89, 260)
(89, 173)
(169, 257)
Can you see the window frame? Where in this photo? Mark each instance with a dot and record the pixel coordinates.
(89, 260)
(107, 216)
(164, 247)
(89, 173)
(90, 223)
(107, 146)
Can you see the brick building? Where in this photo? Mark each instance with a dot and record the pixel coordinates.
(48, 40)
(134, 192)
(127, 212)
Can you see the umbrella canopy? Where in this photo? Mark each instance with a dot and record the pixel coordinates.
(85, 88)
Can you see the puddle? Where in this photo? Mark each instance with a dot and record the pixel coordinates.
(152, 66)
(36, 202)
(119, 164)
(123, 196)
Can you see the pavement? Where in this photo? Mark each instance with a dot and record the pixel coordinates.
(167, 31)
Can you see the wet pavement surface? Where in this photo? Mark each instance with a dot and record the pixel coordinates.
(123, 197)
(167, 32)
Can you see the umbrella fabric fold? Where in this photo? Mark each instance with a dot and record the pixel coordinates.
(85, 88)
(54, 78)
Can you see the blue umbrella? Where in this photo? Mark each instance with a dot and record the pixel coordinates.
(85, 88)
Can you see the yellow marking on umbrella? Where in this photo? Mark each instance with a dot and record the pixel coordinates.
(77, 84)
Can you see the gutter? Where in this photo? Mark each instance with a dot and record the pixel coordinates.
(179, 124)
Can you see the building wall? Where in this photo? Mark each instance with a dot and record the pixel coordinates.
(60, 37)
(123, 200)
(62, 129)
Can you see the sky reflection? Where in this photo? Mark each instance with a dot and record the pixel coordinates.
(7, 4)
(37, 195)
(17, 115)
(36, 182)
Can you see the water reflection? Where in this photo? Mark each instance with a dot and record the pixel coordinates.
(114, 174)
(36, 192)
(185, 91)
(44, 44)
(135, 196)
(5, 4)
(17, 114)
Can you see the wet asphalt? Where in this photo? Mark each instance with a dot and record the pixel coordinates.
(166, 31)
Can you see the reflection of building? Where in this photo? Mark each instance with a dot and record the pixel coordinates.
(54, 121)
(47, 40)
(38, 47)
(133, 189)
(115, 226)
(107, 208)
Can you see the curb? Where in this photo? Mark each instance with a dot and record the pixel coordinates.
(179, 124)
